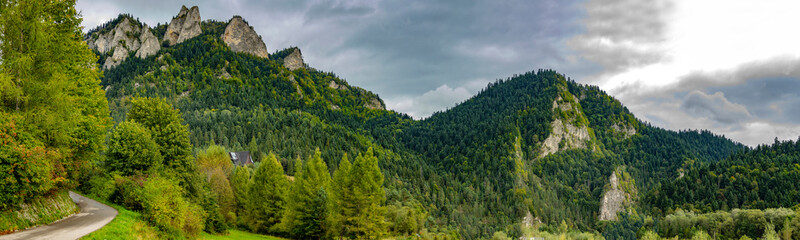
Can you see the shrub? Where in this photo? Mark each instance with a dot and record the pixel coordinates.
(26, 167)
(165, 207)
(101, 185)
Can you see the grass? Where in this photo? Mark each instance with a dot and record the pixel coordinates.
(130, 225)
(236, 234)
(127, 225)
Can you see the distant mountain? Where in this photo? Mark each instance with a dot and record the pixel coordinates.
(533, 147)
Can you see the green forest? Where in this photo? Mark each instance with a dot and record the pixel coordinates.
(531, 155)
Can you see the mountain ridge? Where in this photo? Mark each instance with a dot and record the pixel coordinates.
(536, 143)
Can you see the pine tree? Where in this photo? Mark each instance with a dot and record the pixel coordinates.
(307, 208)
(267, 195)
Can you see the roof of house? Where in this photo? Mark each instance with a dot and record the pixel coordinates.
(240, 158)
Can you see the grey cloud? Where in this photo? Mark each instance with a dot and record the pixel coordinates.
(623, 33)
(715, 106)
(398, 49)
(762, 96)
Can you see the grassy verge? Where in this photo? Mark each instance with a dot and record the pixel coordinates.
(236, 234)
(41, 211)
(127, 225)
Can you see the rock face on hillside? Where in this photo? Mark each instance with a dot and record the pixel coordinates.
(127, 36)
(565, 133)
(616, 198)
(241, 37)
(336, 86)
(612, 200)
(149, 43)
(294, 60)
(184, 26)
(375, 103)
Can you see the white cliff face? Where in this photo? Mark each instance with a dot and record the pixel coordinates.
(294, 60)
(612, 200)
(374, 103)
(185, 25)
(564, 131)
(126, 37)
(241, 37)
(626, 130)
(149, 43)
(336, 86)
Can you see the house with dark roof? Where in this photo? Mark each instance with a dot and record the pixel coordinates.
(240, 158)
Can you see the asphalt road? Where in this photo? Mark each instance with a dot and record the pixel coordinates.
(93, 216)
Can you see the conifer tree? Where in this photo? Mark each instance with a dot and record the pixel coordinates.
(368, 196)
(240, 184)
(268, 195)
(307, 208)
(357, 199)
(340, 200)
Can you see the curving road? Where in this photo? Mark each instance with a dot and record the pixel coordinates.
(93, 216)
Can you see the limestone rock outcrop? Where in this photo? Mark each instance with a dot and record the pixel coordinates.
(127, 36)
(619, 197)
(336, 86)
(565, 133)
(149, 43)
(241, 37)
(294, 60)
(375, 103)
(185, 25)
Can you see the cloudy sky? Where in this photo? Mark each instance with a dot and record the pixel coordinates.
(731, 66)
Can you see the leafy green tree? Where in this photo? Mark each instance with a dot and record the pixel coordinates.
(131, 149)
(240, 184)
(166, 127)
(268, 195)
(306, 212)
(50, 85)
(224, 195)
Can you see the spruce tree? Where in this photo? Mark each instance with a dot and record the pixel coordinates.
(307, 207)
(267, 195)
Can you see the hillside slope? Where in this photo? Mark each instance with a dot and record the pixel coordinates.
(535, 144)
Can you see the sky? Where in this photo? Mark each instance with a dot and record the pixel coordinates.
(729, 66)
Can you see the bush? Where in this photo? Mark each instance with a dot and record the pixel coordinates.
(26, 167)
(127, 191)
(165, 207)
(100, 185)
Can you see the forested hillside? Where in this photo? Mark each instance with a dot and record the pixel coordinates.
(535, 147)
(765, 177)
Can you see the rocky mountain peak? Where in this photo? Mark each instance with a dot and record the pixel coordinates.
(126, 36)
(241, 37)
(294, 60)
(184, 26)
